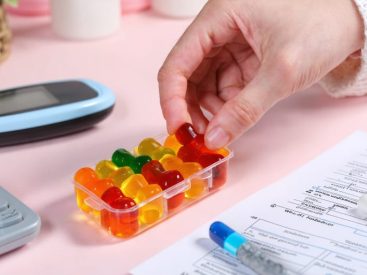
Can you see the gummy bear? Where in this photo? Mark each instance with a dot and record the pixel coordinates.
(140, 161)
(155, 174)
(104, 168)
(171, 162)
(185, 134)
(167, 180)
(100, 186)
(152, 170)
(133, 184)
(187, 169)
(194, 150)
(86, 177)
(120, 175)
(172, 143)
(153, 148)
(110, 195)
(123, 223)
(148, 146)
(153, 210)
(123, 157)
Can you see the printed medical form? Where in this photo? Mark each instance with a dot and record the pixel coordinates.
(307, 221)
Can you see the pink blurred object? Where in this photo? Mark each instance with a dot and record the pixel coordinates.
(42, 7)
(128, 6)
(30, 8)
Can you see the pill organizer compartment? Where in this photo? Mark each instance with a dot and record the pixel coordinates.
(126, 223)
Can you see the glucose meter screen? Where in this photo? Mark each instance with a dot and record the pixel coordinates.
(21, 100)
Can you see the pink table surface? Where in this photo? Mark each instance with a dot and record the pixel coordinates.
(292, 133)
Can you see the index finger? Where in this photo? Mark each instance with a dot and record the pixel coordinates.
(213, 27)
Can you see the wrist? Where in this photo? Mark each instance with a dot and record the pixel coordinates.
(352, 23)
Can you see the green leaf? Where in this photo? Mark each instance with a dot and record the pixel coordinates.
(13, 3)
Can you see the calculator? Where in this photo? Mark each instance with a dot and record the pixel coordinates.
(18, 223)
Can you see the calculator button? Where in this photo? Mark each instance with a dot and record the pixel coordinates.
(9, 217)
(3, 204)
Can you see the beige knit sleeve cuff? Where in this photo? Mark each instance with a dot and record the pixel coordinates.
(350, 78)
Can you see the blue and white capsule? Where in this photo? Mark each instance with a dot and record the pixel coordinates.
(226, 237)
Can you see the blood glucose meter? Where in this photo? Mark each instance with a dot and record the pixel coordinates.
(52, 109)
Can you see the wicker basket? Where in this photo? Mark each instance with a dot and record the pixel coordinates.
(5, 34)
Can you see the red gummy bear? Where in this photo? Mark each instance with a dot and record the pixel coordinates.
(112, 194)
(154, 172)
(185, 134)
(123, 224)
(194, 150)
(169, 179)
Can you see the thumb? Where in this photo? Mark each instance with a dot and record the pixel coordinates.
(243, 111)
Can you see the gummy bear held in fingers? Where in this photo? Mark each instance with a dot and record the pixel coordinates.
(185, 133)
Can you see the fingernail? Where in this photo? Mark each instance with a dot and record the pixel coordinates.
(217, 138)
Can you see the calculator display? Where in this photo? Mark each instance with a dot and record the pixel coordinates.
(25, 99)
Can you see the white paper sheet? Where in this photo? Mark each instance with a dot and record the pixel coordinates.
(307, 221)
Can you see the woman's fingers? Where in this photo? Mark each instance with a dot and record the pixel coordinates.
(243, 110)
(213, 27)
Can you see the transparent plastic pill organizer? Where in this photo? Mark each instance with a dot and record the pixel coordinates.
(132, 191)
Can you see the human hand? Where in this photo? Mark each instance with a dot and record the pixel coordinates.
(239, 57)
